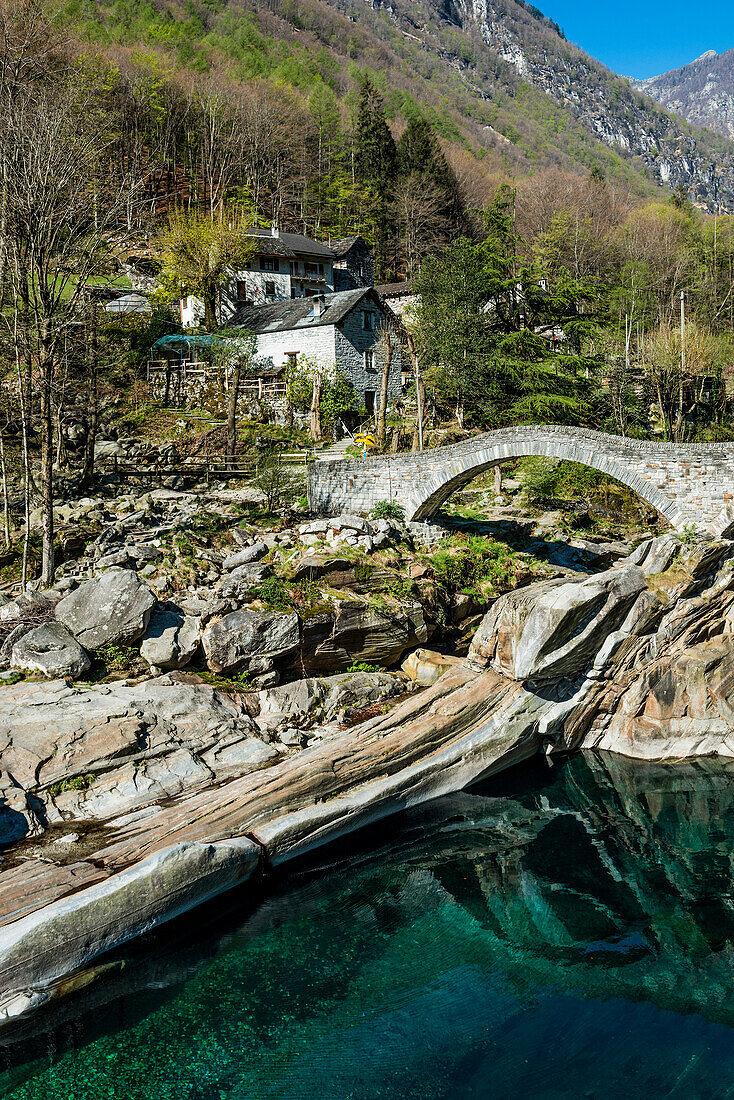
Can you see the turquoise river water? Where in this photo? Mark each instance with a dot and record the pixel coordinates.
(561, 932)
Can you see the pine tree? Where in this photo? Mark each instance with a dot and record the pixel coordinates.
(419, 153)
(375, 154)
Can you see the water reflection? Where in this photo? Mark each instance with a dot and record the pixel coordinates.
(558, 933)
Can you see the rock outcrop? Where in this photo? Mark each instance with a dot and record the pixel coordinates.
(234, 641)
(553, 630)
(113, 609)
(51, 650)
(639, 665)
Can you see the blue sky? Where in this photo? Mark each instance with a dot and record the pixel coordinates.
(644, 37)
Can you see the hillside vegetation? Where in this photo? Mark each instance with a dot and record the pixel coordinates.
(498, 84)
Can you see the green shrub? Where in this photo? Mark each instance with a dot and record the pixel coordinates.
(550, 477)
(388, 509)
(467, 563)
(115, 658)
(76, 783)
(364, 666)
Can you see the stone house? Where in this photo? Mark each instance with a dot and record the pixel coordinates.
(354, 265)
(287, 266)
(341, 331)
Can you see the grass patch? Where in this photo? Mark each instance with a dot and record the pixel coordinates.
(76, 783)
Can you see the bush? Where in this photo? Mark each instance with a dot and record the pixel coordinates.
(388, 509)
(471, 562)
(277, 481)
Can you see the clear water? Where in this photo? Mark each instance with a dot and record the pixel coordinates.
(560, 933)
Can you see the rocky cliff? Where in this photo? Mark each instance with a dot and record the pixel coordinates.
(504, 48)
(702, 91)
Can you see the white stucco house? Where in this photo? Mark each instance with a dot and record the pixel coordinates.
(286, 266)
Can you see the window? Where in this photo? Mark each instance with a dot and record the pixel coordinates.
(369, 401)
(312, 270)
(268, 263)
(242, 291)
(291, 359)
(269, 286)
(369, 360)
(368, 321)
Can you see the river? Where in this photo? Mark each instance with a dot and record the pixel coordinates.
(564, 931)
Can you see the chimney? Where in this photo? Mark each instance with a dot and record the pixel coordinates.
(274, 231)
(319, 305)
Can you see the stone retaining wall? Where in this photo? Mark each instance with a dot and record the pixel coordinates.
(686, 483)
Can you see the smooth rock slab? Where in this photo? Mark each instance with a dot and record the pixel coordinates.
(51, 650)
(245, 557)
(553, 630)
(113, 609)
(44, 946)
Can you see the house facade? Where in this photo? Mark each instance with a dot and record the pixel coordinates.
(285, 267)
(341, 331)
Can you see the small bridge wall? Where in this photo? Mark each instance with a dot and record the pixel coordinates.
(685, 483)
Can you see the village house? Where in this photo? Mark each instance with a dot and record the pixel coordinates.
(287, 266)
(343, 331)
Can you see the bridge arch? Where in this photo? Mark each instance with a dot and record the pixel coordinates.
(685, 483)
(432, 493)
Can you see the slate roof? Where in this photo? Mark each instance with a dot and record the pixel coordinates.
(289, 244)
(341, 247)
(298, 312)
(394, 290)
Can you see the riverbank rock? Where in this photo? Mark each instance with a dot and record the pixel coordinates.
(232, 642)
(97, 751)
(51, 650)
(552, 630)
(676, 707)
(335, 640)
(424, 667)
(112, 609)
(171, 638)
(325, 699)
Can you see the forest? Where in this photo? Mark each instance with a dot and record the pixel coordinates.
(544, 296)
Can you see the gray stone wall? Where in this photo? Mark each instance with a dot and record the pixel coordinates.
(352, 341)
(688, 484)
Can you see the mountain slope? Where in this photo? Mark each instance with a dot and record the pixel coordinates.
(703, 91)
(494, 76)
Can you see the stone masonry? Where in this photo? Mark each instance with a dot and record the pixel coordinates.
(687, 483)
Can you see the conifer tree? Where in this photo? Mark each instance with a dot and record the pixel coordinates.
(375, 154)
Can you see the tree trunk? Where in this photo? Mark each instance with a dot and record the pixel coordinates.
(234, 392)
(384, 384)
(418, 433)
(316, 409)
(6, 502)
(498, 480)
(93, 398)
(47, 459)
(210, 308)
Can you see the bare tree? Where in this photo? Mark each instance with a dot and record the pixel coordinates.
(64, 212)
(423, 219)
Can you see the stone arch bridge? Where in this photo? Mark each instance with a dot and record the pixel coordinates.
(687, 483)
